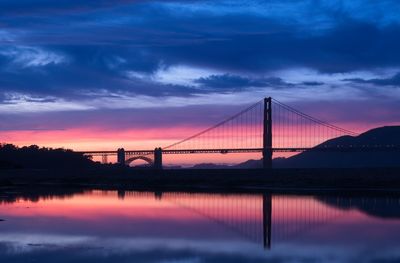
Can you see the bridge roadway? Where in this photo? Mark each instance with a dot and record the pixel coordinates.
(361, 148)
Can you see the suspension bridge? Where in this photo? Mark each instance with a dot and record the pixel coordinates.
(266, 127)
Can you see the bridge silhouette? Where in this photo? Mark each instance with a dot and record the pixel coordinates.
(267, 126)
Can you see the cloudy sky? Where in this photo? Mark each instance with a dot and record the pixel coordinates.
(102, 74)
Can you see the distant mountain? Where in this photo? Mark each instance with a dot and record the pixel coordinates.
(249, 164)
(210, 166)
(314, 158)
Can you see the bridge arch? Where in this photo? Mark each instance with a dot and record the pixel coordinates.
(144, 158)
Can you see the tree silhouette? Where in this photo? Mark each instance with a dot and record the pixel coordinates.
(35, 157)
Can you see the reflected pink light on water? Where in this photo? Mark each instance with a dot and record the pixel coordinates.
(173, 206)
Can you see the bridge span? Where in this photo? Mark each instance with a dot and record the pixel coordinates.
(267, 127)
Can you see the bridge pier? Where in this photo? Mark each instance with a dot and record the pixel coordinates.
(121, 156)
(158, 158)
(267, 134)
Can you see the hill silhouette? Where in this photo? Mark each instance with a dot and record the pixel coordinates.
(33, 157)
(313, 158)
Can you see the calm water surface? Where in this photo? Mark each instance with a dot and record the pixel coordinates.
(120, 226)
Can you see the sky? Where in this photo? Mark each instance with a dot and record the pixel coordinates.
(142, 73)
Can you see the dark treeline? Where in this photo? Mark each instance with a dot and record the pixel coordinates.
(34, 194)
(34, 157)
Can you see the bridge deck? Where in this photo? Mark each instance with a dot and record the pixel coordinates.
(362, 148)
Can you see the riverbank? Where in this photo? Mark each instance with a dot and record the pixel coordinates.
(238, 180)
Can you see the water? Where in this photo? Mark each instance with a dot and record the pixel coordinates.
(111, 226)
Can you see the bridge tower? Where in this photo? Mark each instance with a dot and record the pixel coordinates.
(158, 158)
(121, 156)
(267, 134)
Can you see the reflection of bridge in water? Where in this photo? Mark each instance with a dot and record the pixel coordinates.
(264, 219)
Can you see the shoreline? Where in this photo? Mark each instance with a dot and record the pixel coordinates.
(355, 180)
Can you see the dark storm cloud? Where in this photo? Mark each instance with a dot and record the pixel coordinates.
(81, 83)
(347, 47)
(312, 83)
(392, 81)
(86, 73)
(75, 49)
